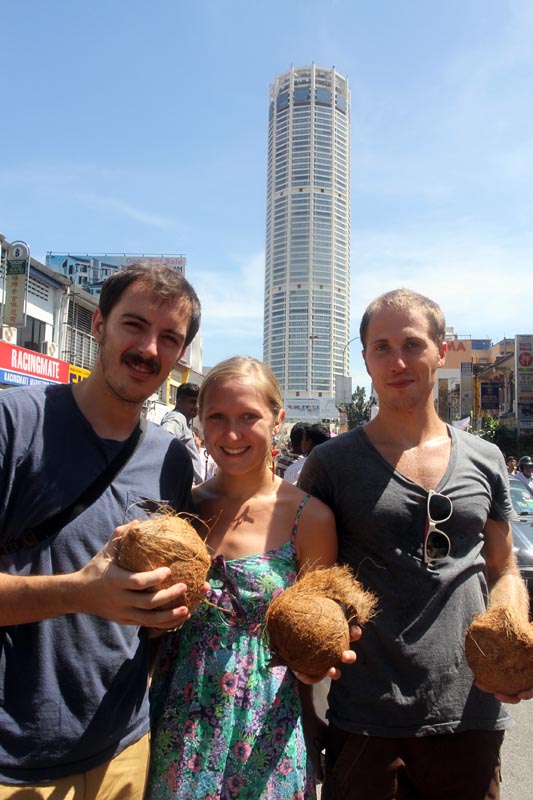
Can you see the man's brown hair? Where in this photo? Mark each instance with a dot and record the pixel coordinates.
(406, 300)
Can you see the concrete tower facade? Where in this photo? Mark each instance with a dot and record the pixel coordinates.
(307, 276)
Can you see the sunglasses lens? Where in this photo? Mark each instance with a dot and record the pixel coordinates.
(437, 545)
(439, 507)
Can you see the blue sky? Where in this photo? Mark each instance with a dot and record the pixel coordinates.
(130, 126)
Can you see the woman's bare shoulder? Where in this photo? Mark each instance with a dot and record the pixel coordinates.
(318, 510)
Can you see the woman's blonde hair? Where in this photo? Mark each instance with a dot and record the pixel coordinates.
(262, 377)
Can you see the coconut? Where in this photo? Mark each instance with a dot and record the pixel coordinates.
(308, 624)
(499, 650)
(166, 540)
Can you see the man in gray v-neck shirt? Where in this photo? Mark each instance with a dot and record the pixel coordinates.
(422, 514)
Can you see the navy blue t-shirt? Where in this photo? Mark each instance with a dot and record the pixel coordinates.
(73, 689)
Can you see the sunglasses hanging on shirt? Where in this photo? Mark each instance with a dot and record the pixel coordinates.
(437, 545)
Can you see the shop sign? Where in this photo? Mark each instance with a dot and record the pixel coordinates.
(22, 367)
(17, 264)
(77, 374)
(523, 371)
(490, 394)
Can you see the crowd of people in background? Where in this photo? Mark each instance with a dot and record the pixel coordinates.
(303, 437)
(521, 469)
(178, 422)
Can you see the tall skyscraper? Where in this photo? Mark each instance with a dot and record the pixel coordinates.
(307, 276)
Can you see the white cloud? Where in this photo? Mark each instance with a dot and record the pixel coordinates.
(120, 208)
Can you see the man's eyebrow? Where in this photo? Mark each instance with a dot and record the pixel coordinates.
(134, 315)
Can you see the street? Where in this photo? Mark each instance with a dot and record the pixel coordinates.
(517, 761)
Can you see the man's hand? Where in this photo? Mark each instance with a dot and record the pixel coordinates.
(106, 590)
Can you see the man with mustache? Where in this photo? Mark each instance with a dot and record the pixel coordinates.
(73, 641)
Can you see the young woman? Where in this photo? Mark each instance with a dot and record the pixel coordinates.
(227, 724)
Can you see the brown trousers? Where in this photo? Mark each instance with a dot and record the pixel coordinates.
(454, 766)
(121, 778)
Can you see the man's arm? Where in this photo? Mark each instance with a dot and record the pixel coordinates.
(506, 586)
(197, 466)
(317, 546)
(171, 422)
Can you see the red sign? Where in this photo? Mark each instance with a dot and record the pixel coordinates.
(525, 359)
(455, 346)
(30, 367)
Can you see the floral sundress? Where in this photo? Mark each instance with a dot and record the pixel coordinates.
(225, 724)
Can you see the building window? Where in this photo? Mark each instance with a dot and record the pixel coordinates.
(32, 334)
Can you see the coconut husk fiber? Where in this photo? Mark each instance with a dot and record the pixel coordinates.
(308, 624)
(499, 650)
(167, 540)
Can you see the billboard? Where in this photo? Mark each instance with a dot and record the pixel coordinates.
(524, 368)
(304, 409)
(523, 355)
(467, 388)
(343, 390)
(90, 270)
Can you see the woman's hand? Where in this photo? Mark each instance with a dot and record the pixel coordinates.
(513, 699)
(348, 657)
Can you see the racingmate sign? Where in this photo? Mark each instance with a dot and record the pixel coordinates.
(22, 367)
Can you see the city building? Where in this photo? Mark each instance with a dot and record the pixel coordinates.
(482, 379)
(484, 382)
(89, 271)
(52, 341)
(307, 270)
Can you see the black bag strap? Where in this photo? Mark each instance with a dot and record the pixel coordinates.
(89, 495)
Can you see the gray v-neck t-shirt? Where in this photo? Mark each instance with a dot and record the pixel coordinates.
(411, 677)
